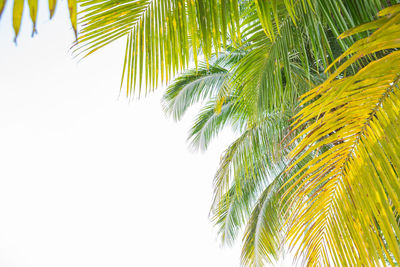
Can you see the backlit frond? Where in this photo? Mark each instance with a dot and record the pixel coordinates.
(209, 123)
(193, 86)
(259, 145)
(346, 199)
(263, 236)
(161, 36)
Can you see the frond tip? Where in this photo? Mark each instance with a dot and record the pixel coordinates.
(18, 8)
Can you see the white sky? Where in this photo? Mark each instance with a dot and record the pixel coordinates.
(86, 178)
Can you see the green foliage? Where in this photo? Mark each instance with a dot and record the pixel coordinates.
(315, 165)
(283, 57)
(162, 36)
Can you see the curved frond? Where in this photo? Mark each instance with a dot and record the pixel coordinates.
(264, 235)
(233, 210)
(191, 87)
(285, 61)
(260, 145)
(209, 123)
(249, 192)
(346, 199)
(263, 238)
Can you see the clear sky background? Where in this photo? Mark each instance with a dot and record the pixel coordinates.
(88, 178)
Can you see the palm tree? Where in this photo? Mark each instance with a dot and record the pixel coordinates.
(324, 183)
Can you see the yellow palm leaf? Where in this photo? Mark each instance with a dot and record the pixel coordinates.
(347, 198)
(17, 11)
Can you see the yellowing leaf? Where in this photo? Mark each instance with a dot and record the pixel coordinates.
(2, 5)
(346, 198)
(33, 8)
(72, 6)
(17, 16)
(52, 7)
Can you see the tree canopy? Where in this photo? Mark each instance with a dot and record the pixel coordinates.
(312, 89)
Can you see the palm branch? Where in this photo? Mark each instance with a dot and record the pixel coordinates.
(162, 36)
(346, 199)
(251, 162)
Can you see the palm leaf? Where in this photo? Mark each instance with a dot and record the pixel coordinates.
(233, 210)
(161, 35)
(259, 145)
(209, 123)
(263, 237)
(285, 60)
(346, 198)
(18, 7)
(193, 86)
(265, 232)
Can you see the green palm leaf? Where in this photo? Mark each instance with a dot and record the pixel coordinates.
(209, 123)
(192, 87)
(161, 35)
(260, 145)
(263, 236)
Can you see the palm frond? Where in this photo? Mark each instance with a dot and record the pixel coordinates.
(191, 87)
(259, 145)
(265, 232)
(345, 198)
(209, 123)
(161, 35)
(263, 237)
(249, 192)
(233, 210)
(201, 84)
(276, 70)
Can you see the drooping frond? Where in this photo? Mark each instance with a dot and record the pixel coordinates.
(249, 192)
(263, 237)
(265, 232)
(209, 123)
(346, 198)
(233, 210)
(161, 35)
(253, 155)
(191, 87)
(18, 8)
(204, 84)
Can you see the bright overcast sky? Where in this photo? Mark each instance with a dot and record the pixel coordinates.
(87, 178)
